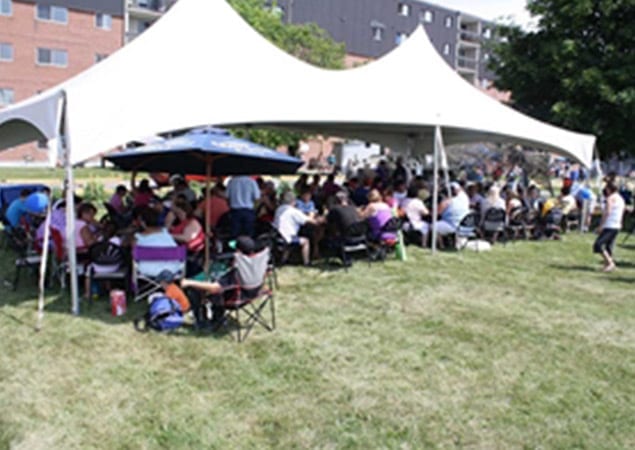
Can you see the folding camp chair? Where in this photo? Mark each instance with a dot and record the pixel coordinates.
(465, 231)
(246, 300)
(107, 262)
(143, 284)
(494, 224)
(388, 238)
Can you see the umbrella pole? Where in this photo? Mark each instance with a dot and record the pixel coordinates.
(208, 179)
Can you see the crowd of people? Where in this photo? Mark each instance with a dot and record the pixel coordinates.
(314, 214)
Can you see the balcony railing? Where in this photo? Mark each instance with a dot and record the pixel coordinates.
(470, 36)
(159, 6)
(467, 63)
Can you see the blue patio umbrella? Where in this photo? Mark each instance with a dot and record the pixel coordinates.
(210, 152)
(206, 151)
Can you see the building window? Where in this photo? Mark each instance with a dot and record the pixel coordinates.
(6, 52)
(449, 22)
(378, 33)
(52, 57)
(6, 8)
(403, 9)
(103, 21)
(6, 96)
(447, 48)
(487, 33)
(51, 13)
(427, 16)
(100, 57)
(400, 38)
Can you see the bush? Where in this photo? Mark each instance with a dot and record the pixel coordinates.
(95, 192)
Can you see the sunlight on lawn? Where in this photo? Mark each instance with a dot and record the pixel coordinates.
(526, 346)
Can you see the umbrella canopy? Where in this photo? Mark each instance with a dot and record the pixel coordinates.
(191, 153)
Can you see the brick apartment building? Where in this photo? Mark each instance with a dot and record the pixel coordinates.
(44, 42)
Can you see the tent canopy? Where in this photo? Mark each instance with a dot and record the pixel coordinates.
(202, 64)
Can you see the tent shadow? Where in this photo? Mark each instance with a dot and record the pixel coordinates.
(99, 310)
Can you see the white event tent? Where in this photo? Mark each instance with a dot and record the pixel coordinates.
(201, 64)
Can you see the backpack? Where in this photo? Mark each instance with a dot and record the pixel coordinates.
(164, 314)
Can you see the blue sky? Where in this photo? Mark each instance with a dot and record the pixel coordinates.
(490, 9)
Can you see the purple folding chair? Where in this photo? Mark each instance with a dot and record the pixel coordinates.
(144, 282)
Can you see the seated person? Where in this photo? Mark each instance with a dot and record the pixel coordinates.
(244, 246)
(305, 203)
(415, 212)
(182, 188)
(360, 195)
(152, 234)
(266, 204)
(566, 201)
(493, 200)
(452, 211)
(216, 206)
(17, 209)
(142, 194)
(341, 216)
(378, 213)
(288, 220)
(187, 229)
(119, 198)
(87, 229)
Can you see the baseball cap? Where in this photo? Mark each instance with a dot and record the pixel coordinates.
(165, 276)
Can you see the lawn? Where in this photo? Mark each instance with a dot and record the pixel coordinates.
(528, 346)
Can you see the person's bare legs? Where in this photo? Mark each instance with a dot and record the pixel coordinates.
(609, 264)
(305, 246)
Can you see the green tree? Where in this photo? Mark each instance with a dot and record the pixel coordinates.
(307, 42)
(577, 69)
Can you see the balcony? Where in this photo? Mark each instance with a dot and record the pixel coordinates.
(471, 37)
(467, 64)
(148, 9)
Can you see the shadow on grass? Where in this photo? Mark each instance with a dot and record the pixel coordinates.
(99, 310)
(622, 279)
(573, 267)
(626, 246)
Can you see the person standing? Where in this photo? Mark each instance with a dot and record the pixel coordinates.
(242, 192)
(609, 226)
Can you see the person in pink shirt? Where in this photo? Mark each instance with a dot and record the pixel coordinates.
(118, 199)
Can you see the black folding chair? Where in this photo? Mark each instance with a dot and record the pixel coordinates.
(493, 224)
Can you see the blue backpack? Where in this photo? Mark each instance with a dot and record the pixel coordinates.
(164, 314)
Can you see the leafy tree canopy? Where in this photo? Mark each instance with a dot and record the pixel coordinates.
(577, 69)
(307, 42)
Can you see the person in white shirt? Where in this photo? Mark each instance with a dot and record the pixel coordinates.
(415, 211)
(288, 220)
(492, 200)
(610, 226)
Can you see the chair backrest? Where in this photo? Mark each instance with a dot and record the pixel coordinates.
(518, 215)
(141, 253)
(469, 221)
(358, 229)
(251, 269)
(554, 216)
(392, 226)
(494, 215)
(106, 253)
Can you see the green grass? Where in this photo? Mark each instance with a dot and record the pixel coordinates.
(528, 346)
(9, 174)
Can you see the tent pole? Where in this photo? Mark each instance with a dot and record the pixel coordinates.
(208, 180)
(43, 263)
(70, 214)
(435, 190)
